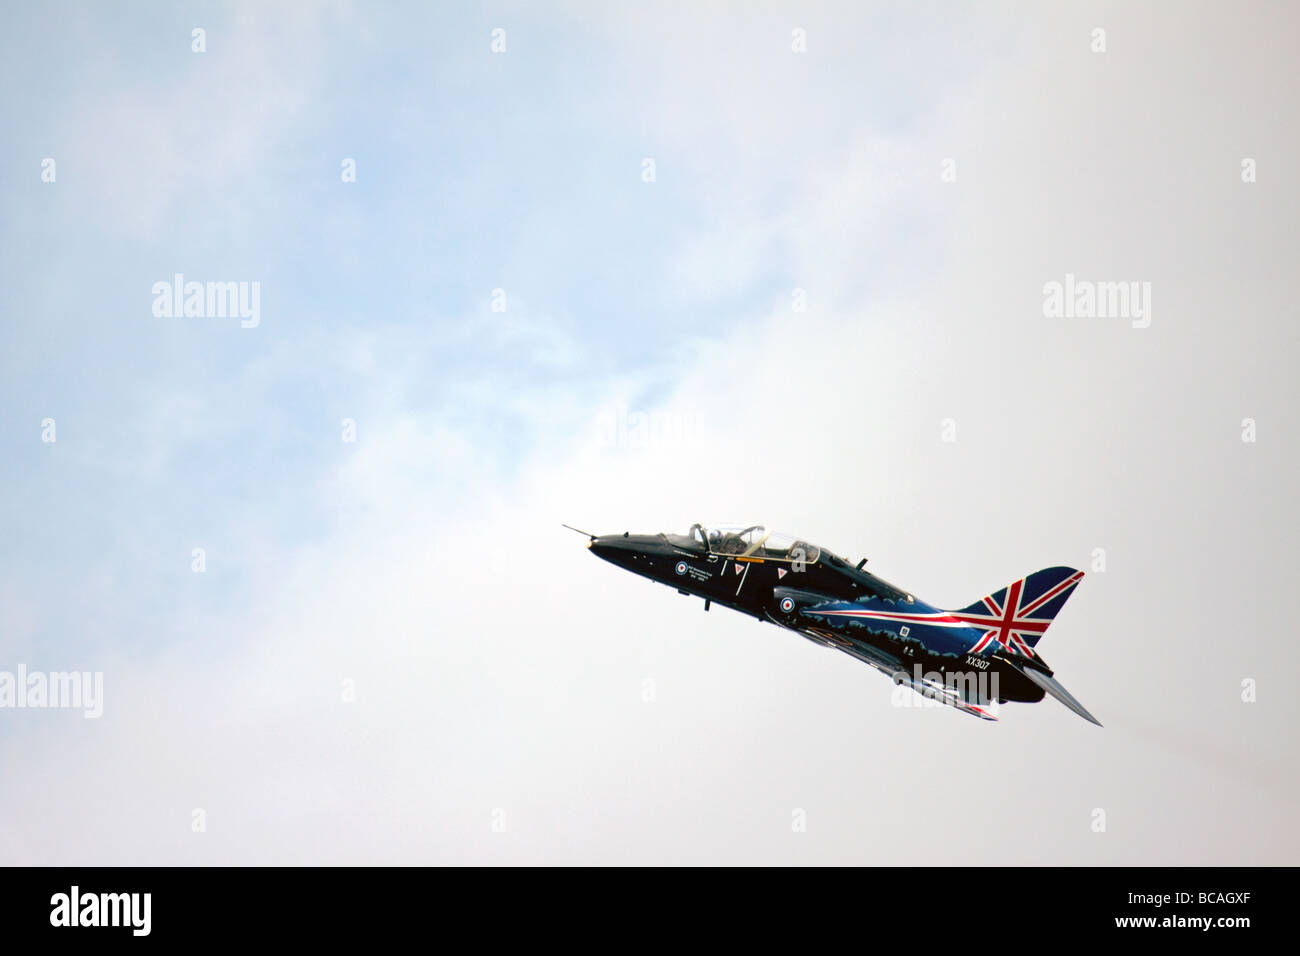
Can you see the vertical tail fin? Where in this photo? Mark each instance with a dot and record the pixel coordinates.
(1017, 615)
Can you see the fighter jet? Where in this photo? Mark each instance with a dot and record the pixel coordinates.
(973, 659)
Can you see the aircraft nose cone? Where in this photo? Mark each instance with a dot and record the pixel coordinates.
(610, 547)
(627, 551)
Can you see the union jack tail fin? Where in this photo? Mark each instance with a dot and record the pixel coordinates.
(1018, 614)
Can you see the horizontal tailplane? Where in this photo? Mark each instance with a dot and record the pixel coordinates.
(1053, 687)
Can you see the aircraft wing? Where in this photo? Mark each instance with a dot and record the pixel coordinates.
(791, 602)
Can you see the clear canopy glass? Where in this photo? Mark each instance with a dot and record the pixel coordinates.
(753, 541)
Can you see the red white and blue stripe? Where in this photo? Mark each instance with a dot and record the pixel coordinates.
(1012, 619)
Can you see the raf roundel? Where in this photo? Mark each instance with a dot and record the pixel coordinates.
(681, 567)
(787, 605)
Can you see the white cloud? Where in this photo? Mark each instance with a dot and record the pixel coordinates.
(497, 665)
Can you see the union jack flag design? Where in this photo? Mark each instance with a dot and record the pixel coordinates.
(1017, 615)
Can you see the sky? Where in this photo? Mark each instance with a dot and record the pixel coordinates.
(318, 560)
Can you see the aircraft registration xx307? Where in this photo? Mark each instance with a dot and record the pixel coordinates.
(971, 659)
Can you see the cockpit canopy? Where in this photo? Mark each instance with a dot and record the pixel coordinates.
(752, 541)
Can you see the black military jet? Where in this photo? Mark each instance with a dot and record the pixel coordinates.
(971, 659)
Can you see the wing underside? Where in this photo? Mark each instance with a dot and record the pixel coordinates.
(893, 668)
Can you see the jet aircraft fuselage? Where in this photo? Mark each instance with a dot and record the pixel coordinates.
(971, 659)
